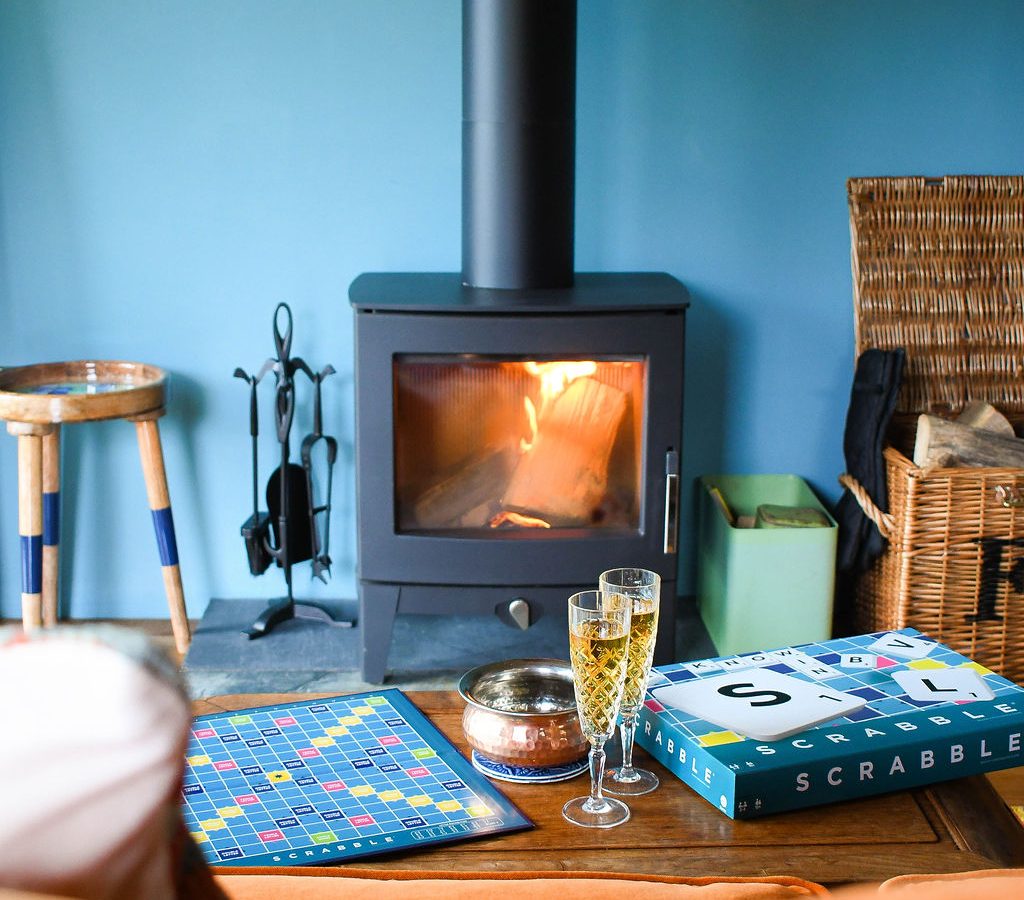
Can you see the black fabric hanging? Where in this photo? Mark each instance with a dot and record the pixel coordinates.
(876, 383)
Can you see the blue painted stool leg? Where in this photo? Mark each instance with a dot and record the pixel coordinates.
(51, 527)
(30, 518)
(152, 456)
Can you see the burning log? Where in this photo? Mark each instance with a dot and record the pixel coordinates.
(564, 477)
(517, 520)
(468, 497)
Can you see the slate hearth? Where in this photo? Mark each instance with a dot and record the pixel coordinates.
(429, 652)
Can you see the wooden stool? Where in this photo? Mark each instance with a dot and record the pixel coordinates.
(35, 401)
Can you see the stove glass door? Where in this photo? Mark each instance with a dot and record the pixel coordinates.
(518, 447)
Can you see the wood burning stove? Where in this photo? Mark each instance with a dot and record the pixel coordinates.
(518, 427)
(467, 499)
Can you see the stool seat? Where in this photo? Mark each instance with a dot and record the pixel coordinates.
(35, 401)
(80, 391)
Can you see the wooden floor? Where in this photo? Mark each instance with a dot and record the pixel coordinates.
(1009, 783)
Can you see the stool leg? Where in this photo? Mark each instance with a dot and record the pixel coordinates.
(51, 526)
(30, 520)
(152, 457)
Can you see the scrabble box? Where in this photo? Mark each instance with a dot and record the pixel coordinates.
(768, 731)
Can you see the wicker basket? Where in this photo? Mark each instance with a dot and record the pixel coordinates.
(938, 269)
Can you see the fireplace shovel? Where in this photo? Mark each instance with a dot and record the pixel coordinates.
(320, 545)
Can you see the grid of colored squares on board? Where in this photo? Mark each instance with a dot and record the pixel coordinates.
(885, 675)
(332, 780)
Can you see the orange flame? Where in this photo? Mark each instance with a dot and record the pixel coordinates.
(525, 446)
(556, 376)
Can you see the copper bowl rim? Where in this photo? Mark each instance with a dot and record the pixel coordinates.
(559, 669)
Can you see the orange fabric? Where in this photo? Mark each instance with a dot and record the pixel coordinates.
(987, 884)
(369, 884)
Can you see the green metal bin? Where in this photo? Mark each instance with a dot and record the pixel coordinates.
(763, 587)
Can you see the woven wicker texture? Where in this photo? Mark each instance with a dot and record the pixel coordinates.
(938, 268)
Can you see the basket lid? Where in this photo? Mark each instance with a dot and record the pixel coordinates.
(938, 269)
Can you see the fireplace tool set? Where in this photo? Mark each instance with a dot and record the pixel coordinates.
(295, 527)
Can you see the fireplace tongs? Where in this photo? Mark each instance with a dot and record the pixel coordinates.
(321, 558)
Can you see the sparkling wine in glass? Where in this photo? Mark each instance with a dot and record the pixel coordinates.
(642, 589)
(598, 647)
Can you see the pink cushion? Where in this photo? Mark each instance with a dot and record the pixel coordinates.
(93, 767)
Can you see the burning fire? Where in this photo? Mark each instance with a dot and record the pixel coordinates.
(554, 377)
(523, 445)
(526, 445)
(514, 518)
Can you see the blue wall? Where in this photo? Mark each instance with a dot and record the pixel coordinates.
(171, 170)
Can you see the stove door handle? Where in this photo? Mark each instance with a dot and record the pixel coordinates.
(671, 501)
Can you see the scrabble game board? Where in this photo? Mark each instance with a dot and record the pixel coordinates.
(798, 726)
(332, 780)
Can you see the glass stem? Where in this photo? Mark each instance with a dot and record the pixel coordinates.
(597, 757)
(627, 730)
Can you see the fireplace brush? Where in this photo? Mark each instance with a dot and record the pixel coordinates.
(256, 528)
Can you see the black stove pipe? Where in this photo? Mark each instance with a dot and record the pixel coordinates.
(518, 143)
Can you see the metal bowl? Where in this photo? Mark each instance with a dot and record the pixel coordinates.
(523, 712)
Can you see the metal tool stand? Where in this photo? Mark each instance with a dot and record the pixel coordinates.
(283, 547)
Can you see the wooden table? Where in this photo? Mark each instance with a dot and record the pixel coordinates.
(954, 826)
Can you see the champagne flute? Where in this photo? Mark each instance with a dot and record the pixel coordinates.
(642, 589)
(598, 645)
